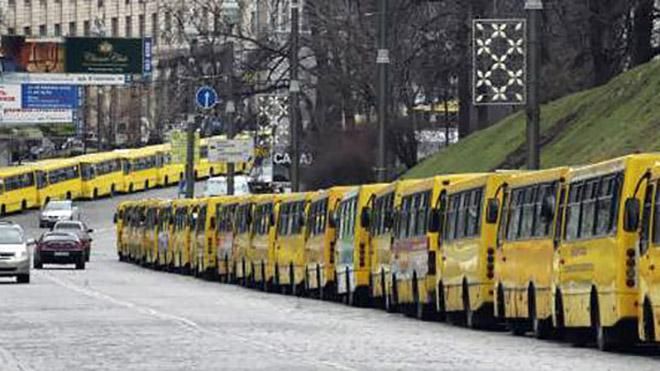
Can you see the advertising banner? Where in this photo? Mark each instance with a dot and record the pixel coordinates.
(32, 55)
(50, 96)
(225, 150)
(35, 116)
(178, 143)
(10, 96)
(63, 78)
(104, 55)
(147, 56)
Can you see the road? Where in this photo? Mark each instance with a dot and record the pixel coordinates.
(116, 316)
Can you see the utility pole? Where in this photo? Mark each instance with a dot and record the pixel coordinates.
(294, 90)
(190, 156)
(534, 10)
(99, 118)
(382, 60)
(230, 108)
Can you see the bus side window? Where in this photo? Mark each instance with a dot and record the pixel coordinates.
(646, 220)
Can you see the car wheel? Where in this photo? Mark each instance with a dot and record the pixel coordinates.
(87, 253)
(23, 278)
(37, 262)
(80, 265)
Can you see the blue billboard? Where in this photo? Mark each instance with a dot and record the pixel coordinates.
(50, 96)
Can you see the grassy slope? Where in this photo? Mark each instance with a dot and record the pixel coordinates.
(615, 119)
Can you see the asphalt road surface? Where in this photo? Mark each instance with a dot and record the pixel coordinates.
(116, 316)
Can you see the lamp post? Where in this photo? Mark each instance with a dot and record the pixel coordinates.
(294, 90)
(231, 11)
(534, 10)
(382, 60)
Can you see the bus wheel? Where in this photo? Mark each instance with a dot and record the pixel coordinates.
(130, 188)
(23, 205)
(3, 210)
(68, 195)
(146, 185)
(470, 316)
(195, 175)
(96, 193)
(542, 328)
(559, 315)
(167, 180)
(112, 190)
(319, 285)
(392, 297)
(212, 172)
(441, 305)
(649, 323)
(292, 281)
(604, 336)
(264, 282)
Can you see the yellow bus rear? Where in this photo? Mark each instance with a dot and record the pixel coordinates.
(525, 250)
(649, 260)
(469, 237)
(181, 235)
(152, 228)
(320, 243)
(289, 264)
(58, 180)
(225, 237)
(596, 274)
(204, 250)
(260, 254)
(165, 224)
(352, 256)
(242, 239)
(18, 189)
(101, 175)
(121, 219)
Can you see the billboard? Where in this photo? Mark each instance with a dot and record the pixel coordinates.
(50, 96)
(10, 96)
(178, 143)
(35, 116)
(104, 55)
(230, 150)
(32, 55)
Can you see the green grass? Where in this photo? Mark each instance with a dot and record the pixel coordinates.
(615, 119)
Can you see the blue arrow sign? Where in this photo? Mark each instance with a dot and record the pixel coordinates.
(206, 97)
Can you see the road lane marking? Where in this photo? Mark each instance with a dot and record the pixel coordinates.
(186, 323)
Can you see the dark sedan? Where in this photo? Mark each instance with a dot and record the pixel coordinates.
(59, 248)
(80, 229)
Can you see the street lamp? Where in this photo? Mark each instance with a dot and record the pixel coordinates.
(534, 10)
(231, 13)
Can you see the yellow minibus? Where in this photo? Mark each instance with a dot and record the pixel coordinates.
(225, 237)
(101, 175)
(260, 254)
(58, 179)
(242, 240)
(289, 263)
(140, 168)
(18, 189)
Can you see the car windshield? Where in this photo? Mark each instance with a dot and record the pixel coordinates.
(58, 205)
(74, 226)
(10, 236)
(59, 237)
(216, 187)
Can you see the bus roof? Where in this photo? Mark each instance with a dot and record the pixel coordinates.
(539, 176)
(613, 165)
(51, 164)
(15, 170)
(94, 157)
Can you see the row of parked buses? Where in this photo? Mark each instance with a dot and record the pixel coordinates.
(97, 175)
(570, 252)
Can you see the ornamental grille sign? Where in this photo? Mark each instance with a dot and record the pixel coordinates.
(500, 61)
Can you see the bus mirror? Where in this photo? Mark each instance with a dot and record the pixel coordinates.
(434, 221)
(548, 208)
(365, 217)
(492, 210)
(631, 215)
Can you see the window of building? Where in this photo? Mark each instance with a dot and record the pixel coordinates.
(27, 31)
(128, 2)
(42, 30)
(12, 2)
(114, 26)
(99, 3)
(141, 25)
(129, 26)
(28, 2)
(57, 29)
(72, 28)
(86, 28)
(11, 31)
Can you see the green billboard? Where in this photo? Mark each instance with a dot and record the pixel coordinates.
(110, 55)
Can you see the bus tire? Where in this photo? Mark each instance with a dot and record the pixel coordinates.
(264, 281)
(470, 316)
(292, 281)
(649, 322)
(319, 285)
(167, 180)
(3, 210)
(542, 328)
(392, 298)
(441, 305)
(130, 188)
(146, 185)
(96, 193)
(23, 205)
(605, 336)
(68, 195)
(195, 175)
(558, 314)
(113, 190)
(211, 171)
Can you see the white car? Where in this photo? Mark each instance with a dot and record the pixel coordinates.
(217, 186)
(14, 252)
(54, 211)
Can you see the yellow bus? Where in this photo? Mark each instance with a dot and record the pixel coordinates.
(101, 175)
(225, 237)
(135, 231)
(242, 240)
(465, 292)
(140, 168)
(204, 253)
(165, 223)
(170, 173)
(260, 254)
(149, 255)
(596, 275)
(414, 251)
(384, 203)
(525, 250)
(58, 179)
(649, 260)
(122, 219)
(204, 168)
(18, 189)
(180, 239)
(320, 243)
(352, 255)
(289, 263)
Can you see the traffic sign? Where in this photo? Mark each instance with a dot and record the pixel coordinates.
(235, 150)
(206, 97)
